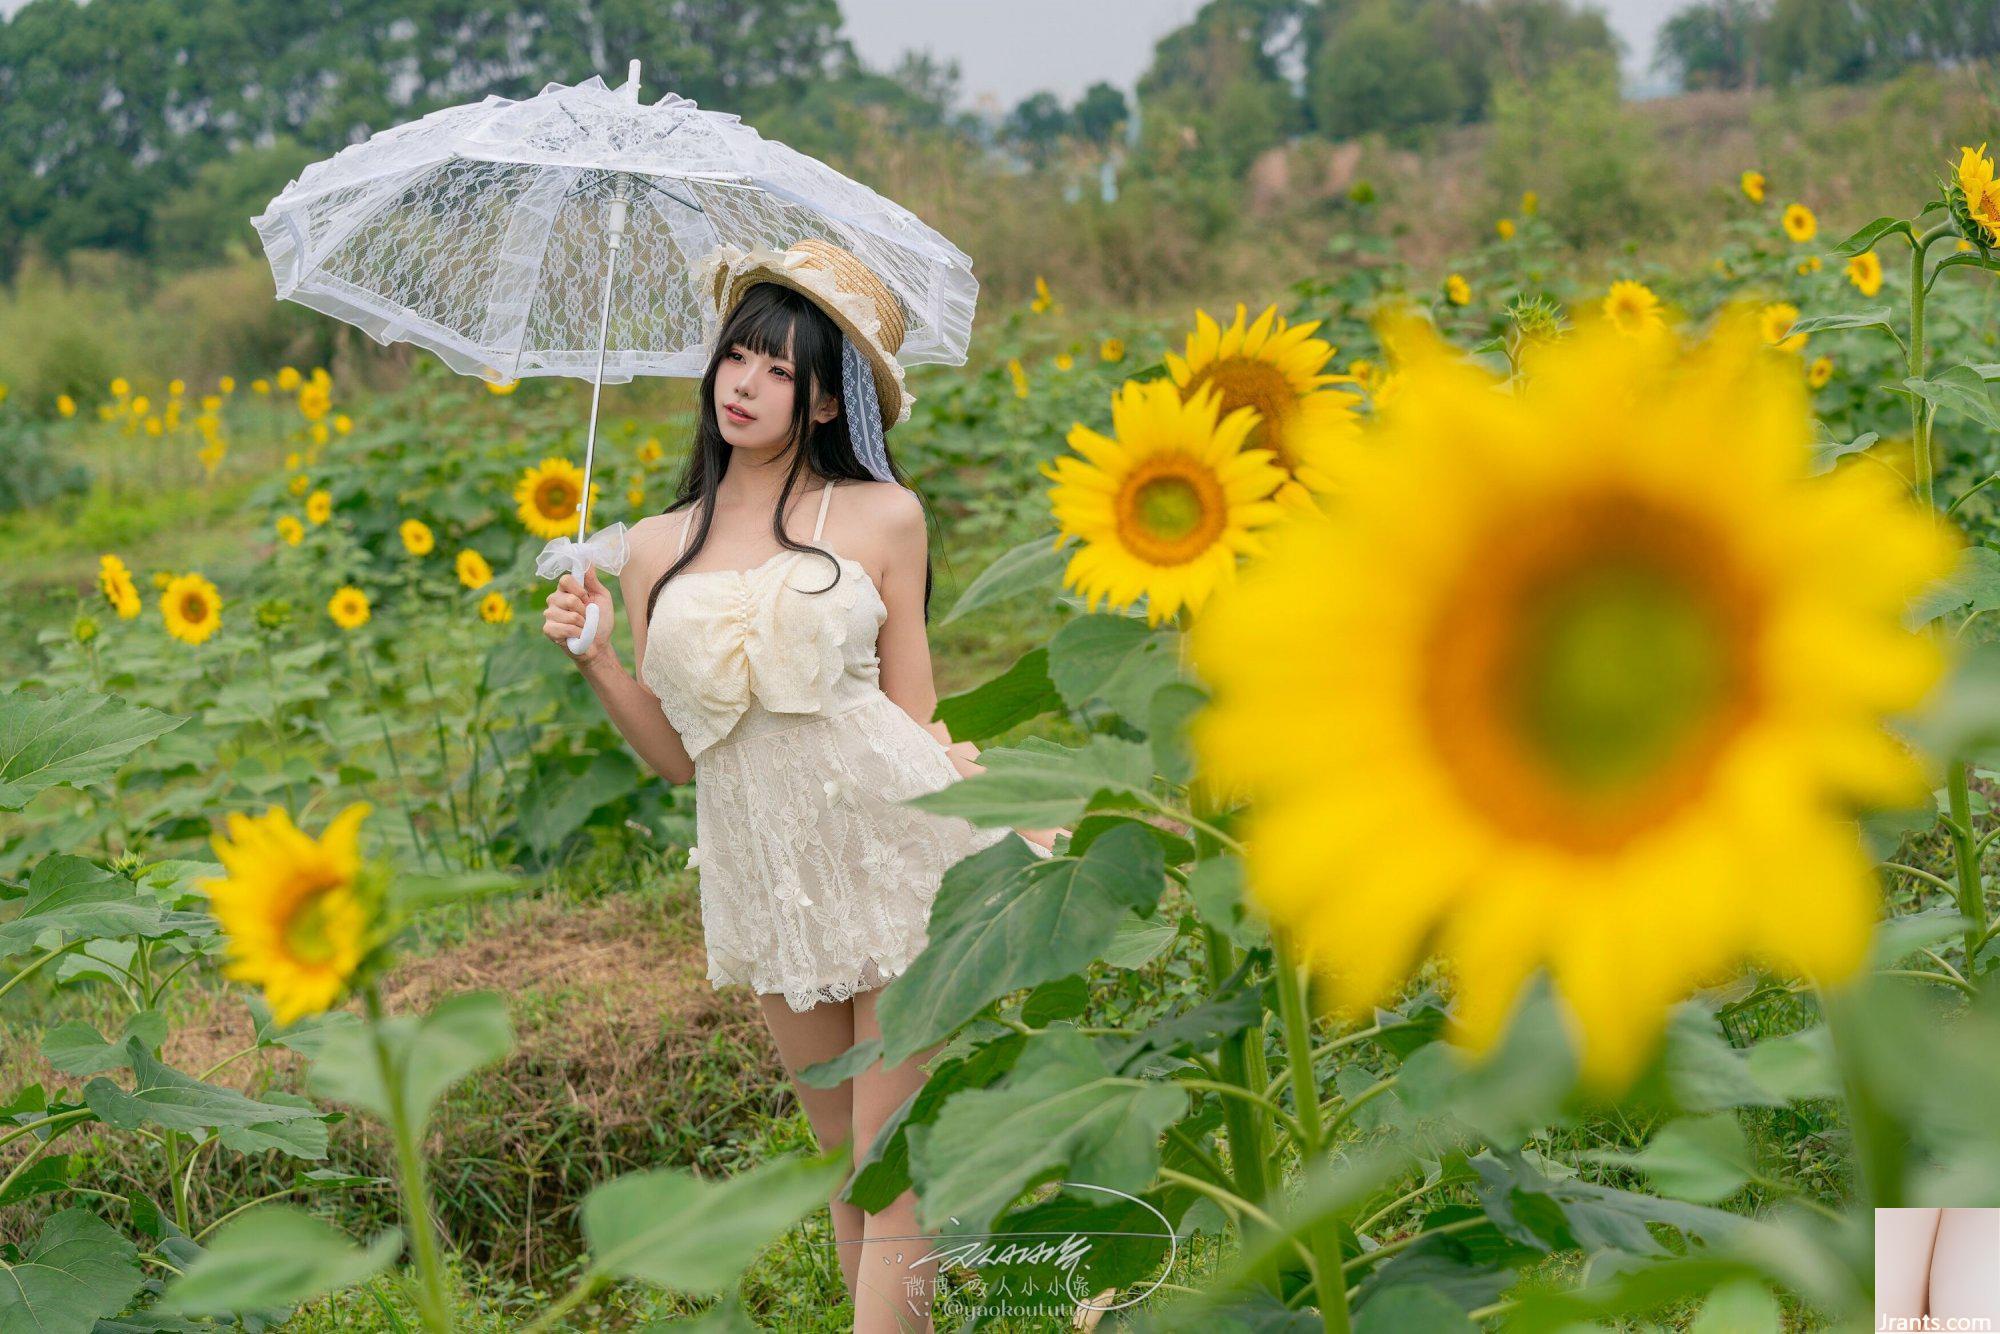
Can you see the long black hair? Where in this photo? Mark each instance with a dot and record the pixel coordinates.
(768, 317)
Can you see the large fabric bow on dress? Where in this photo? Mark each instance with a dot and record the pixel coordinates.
(744, 642)
(492, 233)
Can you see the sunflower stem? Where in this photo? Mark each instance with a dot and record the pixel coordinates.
(410, 1163)
(1965, 847)
(1320, 1237)
(1877, 1141)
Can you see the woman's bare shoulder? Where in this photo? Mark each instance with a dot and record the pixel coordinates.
(649, 543)
(887, 503)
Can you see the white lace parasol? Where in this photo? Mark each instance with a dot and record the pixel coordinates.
(565, 234)
(480, 232)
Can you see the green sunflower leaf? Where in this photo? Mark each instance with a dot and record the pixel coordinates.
(276, 1255)
(76, 1270)
(1032, 567)
(72, 738)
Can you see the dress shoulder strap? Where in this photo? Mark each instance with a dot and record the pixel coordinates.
(825, 494)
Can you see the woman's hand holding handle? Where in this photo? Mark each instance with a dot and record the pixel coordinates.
(579, 617)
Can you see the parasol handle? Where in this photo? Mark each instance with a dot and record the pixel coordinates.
(579, 643)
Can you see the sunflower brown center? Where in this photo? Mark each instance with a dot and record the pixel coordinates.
(1170, 511)
(194, 607)
(1248, 382)
(556, 498)
(1591, 669)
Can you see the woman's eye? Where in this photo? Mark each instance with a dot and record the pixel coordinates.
(782, 371)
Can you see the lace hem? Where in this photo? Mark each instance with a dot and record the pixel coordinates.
(816, 881)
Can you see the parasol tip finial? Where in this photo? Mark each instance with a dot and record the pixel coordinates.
(632, 80)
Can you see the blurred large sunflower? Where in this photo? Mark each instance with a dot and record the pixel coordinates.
(1616, 647)
(1275, 368)
(546, 497)
(298, 913)
(192, 608)
(115, 579)
(1165, 506)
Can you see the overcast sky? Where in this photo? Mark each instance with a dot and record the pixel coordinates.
(1010, 48)
(1007, 49)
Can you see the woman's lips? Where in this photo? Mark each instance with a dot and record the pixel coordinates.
(737, 413)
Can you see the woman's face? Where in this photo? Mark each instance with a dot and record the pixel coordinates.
(753, 398)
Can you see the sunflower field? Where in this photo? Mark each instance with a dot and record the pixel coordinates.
(1530, 751)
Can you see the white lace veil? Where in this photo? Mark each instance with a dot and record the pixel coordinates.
(864, 411)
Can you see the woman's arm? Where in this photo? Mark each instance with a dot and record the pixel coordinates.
(633, 709)
(904, 644)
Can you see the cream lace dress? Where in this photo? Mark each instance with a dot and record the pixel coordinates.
(815, 883)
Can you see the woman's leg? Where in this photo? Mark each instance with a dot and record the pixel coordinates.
(897, 1277)
(805, 1037)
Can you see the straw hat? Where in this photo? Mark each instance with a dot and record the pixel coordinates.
(851, 294)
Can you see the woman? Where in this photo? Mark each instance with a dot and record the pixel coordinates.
(799, 706)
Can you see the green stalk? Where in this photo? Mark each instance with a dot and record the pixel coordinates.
(585, 1286)
(1877, 1143)
(1971, 887)
(1964, 839)
(174, 1182)
(395, 764)
(431, 1300)
(1320, 1236)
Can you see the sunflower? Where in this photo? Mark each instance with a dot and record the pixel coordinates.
(473, 571)
(1752, 183)
(290, 529)
(1044, 301)
(1530, 201)
(1622, 648)
(1976, 181)
(1865, 272)
(299, 913)
(288, 379)
(319, 507)
(115, 581)
(192, 608)
(260, 385)
(342, 423)
(120, 387)
(1277, 369)
(1819, 372)
(1165, 506)
(1457, 290)
(1111, 349)
(1774, 319)
(1019, 375)
(650, 452)
(418, 539)
(227, 384)
(547, 494)
(1505, 228)
(1799, 223)
(495, 609)
(501, 387)
(349, 608)
(1064, 361)
(1632, 308)
(65, 405)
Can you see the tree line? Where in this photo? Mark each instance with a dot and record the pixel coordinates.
(1745, 43)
